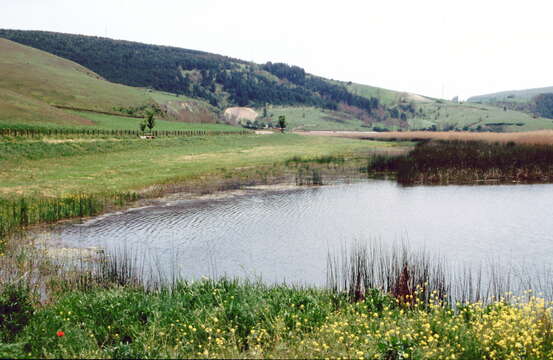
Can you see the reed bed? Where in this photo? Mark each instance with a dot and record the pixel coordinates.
(416, 275)
(18, 213)
(466, 162)
(540, 137)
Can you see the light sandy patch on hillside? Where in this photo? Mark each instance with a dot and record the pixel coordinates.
(235, 114)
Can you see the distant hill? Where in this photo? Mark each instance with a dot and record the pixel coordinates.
(105, 75)
(219, 80)
(37, 87)
(513, 95)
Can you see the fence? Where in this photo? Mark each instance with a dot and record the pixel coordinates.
(117, 133)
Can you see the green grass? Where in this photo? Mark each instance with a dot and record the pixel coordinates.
(387, 97)
(107, 165)
(227, 319)
(103, 121)
(473, 115)
(310, 118)
(512, 95)
(32, 82)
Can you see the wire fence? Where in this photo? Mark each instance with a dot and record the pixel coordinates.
(116, 133)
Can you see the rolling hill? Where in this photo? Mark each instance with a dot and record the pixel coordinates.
(42, 74)
(37, 87)
(513, 95)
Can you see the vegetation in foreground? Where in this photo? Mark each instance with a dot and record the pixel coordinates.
(106, 312)
(226, 319)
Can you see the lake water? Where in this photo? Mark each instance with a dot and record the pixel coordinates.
(286, 236)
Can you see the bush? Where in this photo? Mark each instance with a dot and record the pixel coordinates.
(16, 310)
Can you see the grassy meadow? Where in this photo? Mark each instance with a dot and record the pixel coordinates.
(310, 118)
(109, 122)
(388, 97)
(470, 115)
(68, 166)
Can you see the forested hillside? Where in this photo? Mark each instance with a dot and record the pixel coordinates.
(220, 80)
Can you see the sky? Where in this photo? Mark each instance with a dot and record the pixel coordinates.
(437, 48)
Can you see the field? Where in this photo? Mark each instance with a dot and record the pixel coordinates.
(511, 96)
(310, 118)
(470, 116)
(442, 115)
(112, 165)
(377, 305)
(103, 121)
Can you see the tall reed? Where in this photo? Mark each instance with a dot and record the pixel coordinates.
(20, 212)
(411, 275)
(444, 162)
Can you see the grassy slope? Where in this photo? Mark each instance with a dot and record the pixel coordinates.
(32, 80)
(388, 97)
(133, 167)
(310, 118)
(441, 114)
(104, 121)
(472, 115)
(512, 95)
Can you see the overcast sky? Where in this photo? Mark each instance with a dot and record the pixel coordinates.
(439, 48)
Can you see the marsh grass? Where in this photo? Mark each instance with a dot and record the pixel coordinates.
(541, 137)
(459, 162)
(412, 275)
(18, 213)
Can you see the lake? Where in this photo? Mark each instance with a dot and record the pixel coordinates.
(287, 235)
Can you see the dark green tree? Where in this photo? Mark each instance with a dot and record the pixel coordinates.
(150, 121)
(143, 125)
(282, 122)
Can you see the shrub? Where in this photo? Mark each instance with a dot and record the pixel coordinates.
(16, 310)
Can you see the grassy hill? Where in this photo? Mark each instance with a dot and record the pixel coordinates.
(219, 80)
(36, 87)
(513, 95)
(446, 115)
(311, 118)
